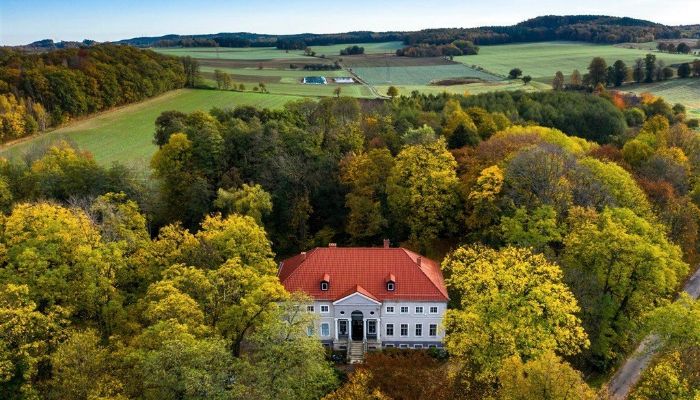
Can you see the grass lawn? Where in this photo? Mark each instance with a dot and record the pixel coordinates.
(543, 60)
(422, 75)
(684, 91)
(125, 134)
(370, 48)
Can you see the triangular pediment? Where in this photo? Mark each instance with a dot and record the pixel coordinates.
(356, 299)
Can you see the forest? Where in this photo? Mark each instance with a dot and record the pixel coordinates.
(39, 91)
(585, 28)
(577, 211)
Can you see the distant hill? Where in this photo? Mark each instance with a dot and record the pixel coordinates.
(586, 28)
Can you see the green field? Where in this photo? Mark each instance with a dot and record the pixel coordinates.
(270, 72)
(126, 134)
(417, 76)
(271, 53)
(472, 88)
(543, 60)
(684, 91)
(232, 53)
(370, 48)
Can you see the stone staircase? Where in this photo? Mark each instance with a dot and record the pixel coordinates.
(356, 353)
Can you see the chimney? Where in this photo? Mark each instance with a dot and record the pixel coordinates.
(303, 255)
(331, 245)
(386, 243)
(420, 260)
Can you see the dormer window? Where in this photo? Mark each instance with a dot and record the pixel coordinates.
(325, 282)
(390, 283)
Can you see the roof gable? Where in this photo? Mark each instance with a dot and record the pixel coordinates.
(357, 297)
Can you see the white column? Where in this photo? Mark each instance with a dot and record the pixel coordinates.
(364, 329)
(336, 329)
(379, 329)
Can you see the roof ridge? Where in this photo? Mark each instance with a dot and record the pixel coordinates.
(420, 267)
(308, 253)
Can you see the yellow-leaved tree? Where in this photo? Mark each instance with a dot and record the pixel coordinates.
(508, 302)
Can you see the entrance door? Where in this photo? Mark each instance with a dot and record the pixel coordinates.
(357, 325)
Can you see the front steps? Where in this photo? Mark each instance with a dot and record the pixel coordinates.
(356, 353)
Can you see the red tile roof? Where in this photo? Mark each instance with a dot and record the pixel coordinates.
(417, 278)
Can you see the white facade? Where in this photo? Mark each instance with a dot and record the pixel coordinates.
(395, 323)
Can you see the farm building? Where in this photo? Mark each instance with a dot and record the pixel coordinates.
(343, 80)
(315, 80)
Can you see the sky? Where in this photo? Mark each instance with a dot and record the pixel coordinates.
(24, 21)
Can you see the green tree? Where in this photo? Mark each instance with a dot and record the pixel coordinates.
(191, 67)
(366, 174)
(684, 70)
(288, 364)
(392, 91)
(500, 295)
(250, 200)
(619, 265)
(650, 68)
(422, 191)
(597, 71)
(620, 72)
(515, 73)
(527, 79)
(82, 369)
(535, 230)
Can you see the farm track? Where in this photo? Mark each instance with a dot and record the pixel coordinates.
(631, 371)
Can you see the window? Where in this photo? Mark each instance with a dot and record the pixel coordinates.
(433, 309)
(324, 285)
(389, 309)
(325, 329)
(419, 329)
(417, 346)
(324, 309)
(310, 330)
(372, 327)
(403, 346)
(343, 327)
(419, 310)
(390, 329)
(390, 286)
(388, 345)
(309, 308)
(433, 330)
(404, 310)
(404, 329)
(432, 346)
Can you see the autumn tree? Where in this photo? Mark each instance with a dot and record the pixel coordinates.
(499, 295)
(422, 191)
(358, 387)
(558, 81)
(576, 79)
(366, 174)
(546, 377)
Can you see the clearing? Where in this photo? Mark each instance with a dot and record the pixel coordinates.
(125, 134)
